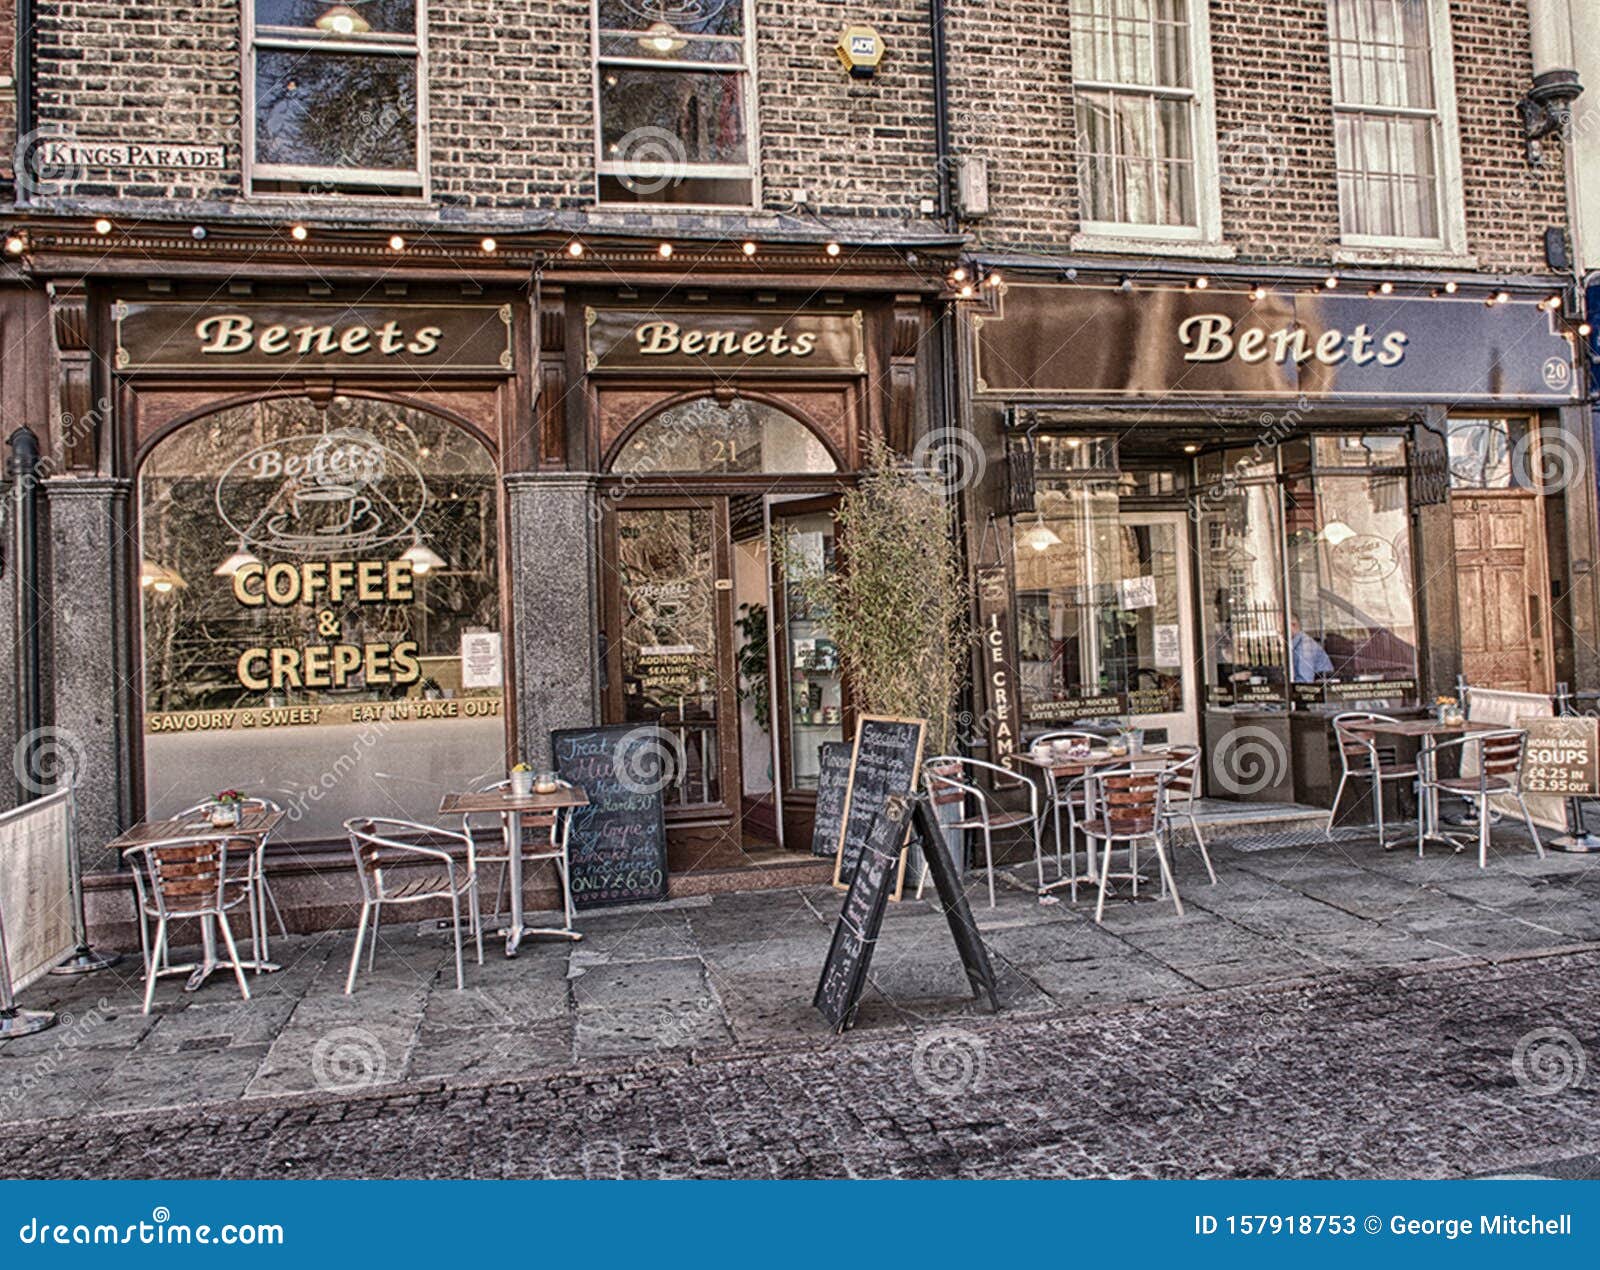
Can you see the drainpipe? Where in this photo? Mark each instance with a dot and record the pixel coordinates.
(22, 68)
(941, 109)
(24, 562)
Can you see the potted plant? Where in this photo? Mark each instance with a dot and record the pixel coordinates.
(521, 781)
(225, 808)
(1449, 710)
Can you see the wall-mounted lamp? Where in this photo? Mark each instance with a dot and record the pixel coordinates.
(1546, 111)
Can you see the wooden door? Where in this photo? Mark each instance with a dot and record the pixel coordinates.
(667, 596)
(1502, 588)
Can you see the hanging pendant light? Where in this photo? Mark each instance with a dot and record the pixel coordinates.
(158, 578)
(341, 19)
(663, 38)
(422, 558)
(238, 560)
(1040, 536)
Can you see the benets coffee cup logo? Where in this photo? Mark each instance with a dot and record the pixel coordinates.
(322, 494)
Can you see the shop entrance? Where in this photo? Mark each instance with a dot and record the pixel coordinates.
(714, 514)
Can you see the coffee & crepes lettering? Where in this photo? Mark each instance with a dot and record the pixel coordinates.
(316, 584)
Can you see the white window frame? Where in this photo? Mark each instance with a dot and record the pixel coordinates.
(1203, 114)
(347, 181)
(749, 171)
(1450, 212)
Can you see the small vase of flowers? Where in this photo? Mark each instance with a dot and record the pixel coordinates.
(521, 780)
(225, 808)
(1449, 710)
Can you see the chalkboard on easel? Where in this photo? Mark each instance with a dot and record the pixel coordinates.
(844, 972)
(618, 843)
(885, 759)
(833, 782)
(855, 937)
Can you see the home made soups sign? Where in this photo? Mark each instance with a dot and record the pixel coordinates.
(1087, 341)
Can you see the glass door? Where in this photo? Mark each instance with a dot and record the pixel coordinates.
(1152, 649)
(668, 600)
(810, 692)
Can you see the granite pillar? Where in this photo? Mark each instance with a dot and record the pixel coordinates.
(555, 607)
(10, 650)
(85, 619)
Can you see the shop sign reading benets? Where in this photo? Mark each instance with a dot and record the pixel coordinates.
(170, 335)
(1066, 342)
(725, 342)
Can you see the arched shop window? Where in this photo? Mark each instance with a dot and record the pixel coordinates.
(740, 438)
(321, 611)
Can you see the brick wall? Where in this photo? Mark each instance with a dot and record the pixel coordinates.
(512, 116)
(1273, 89)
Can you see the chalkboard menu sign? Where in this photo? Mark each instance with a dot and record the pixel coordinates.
(886, 759)
(844, 973)
(1562, 757)
(618, 847)
(833, 782)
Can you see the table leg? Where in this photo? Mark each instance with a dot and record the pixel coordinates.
(513, 826)
(208, 955)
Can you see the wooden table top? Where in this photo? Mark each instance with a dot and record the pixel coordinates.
(1425, 727)
(1095, 758)
(252, 824)
(499, 800)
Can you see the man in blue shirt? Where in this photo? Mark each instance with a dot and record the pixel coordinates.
(1307, 658)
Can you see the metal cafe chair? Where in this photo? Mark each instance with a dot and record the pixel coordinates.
(1127, 808)
(377, 849)
(560, 827)
(1499, 775)
(1361, 759)
(1182, 771)
(188, 877)
(263, 892)
(948, 776)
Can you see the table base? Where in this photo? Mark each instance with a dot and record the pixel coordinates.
(515, 935)
(85, 961)
(1575, 844)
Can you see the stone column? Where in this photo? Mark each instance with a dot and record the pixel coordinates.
(1572, 467)
(554, 605)
(86, 617)
(10, 649)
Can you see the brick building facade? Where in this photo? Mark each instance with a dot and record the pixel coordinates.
(215, 163)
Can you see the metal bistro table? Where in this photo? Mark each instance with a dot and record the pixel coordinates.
(1425, 732)
(255, 826)
(559, 807)
(1054, 770)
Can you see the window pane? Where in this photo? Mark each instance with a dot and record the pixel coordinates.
(687, 17)
(1351, 602)
(654, 121)
(1388, 175)
(332, 705)
(1382, 53)
(1136, 159)
(743, 437)
(1241, 579)
(1489, 453)
(336, 110)
(670, 48)
(1132, 42)
(355, 17)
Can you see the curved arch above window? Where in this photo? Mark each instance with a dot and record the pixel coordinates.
(704, 437)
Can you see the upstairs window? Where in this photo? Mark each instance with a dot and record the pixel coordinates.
(1141, 74)
(335, 97)
(1394, 121)
(676, 102)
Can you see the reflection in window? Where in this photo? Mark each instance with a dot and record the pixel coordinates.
(743, 437)
(1490, 454)
(1098, 621)
(1241, 583)
(674, 92)
(321, 611)
(337, 97)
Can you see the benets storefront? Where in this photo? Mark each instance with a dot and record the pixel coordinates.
(1236, 508)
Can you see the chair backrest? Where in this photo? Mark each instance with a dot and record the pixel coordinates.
(1502, 754)
(1182, 771)
(1128, 801)
(1358, 751)
(374, 844)
(943, 780)
(188, 875)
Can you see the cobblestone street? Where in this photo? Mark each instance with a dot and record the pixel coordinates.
(1324, 1010)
